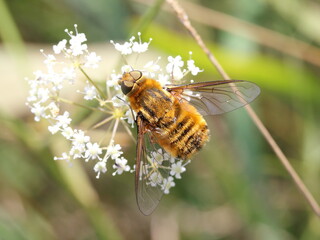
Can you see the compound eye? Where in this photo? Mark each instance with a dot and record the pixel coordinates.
(126, 87)
(136, 74)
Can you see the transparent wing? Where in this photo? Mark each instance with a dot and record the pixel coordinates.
(152, 170)
(216, 97)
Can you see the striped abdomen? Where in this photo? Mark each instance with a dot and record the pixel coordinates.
(186, 134)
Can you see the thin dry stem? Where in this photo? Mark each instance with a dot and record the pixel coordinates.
(261, 35)
(182, 15)
(253, 32)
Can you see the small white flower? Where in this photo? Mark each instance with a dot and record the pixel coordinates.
(92, 60)
(144, 170)
(173, 63)
(38, 74)
(50, 60)
(76, 42)
(90, 92)
(32, 96)
(42, 94)
(126, 68)
(67, 132)
(163, 79)
(124, 49)
(65, 157)
(177, 169)
(120, 166)
(157, 156)
(54, 129)
(117, 101)
(93, 151)
(130, 118)
(54, 109)
(140, 47)
(69, 74)
(192, 68)
(172, 159)
(38, 111)
(60, 46)
(113, 81)
(79, 139)
(114, 151)
(57, 81)
(155, 179)
(77, 150)
(63, 120)
(151, 68)
(100, 167)
(78, 38)
(174, 67)
(166, 156)
(177, 73)
(167, 184)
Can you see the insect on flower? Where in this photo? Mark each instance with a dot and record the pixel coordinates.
(171, 127)
(169, 117)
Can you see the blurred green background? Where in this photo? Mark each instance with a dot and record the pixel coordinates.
(236, 187)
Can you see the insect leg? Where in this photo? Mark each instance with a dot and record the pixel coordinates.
(133, 117)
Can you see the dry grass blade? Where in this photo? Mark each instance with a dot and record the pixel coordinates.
(182, 15)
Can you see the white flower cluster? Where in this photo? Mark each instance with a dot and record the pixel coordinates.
(163, 162)
(174, 71)
(46, 102)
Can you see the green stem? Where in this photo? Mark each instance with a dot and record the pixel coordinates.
(80, 105)
(147, 18)
(101, 93)
(11, 38)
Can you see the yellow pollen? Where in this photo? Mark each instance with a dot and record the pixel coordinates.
(118, 113)
(76, 64)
